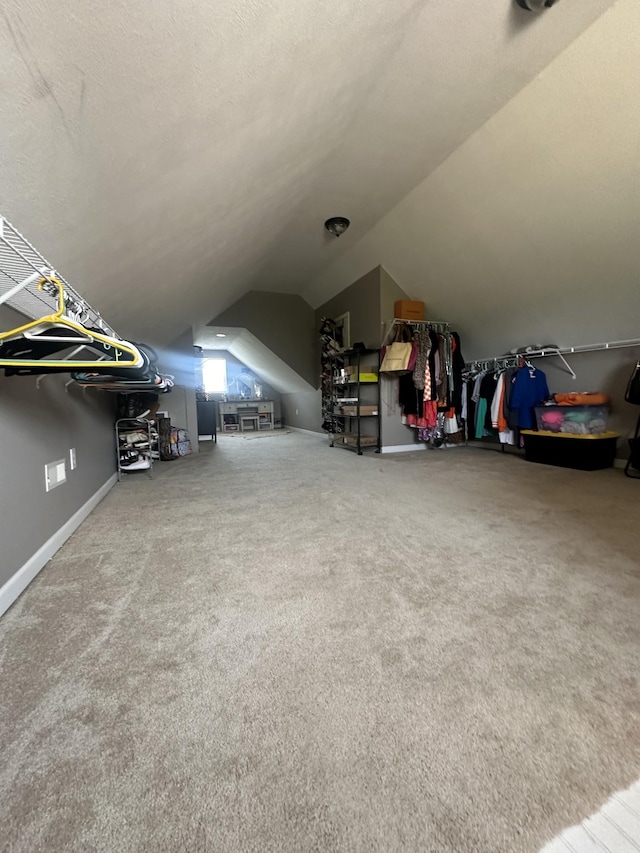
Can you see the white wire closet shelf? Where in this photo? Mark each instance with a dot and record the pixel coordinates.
(22, 267)
(509, 359)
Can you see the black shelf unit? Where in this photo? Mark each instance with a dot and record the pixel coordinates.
(207, 411)
(355, 400)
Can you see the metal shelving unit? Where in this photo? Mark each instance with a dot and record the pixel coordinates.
(361, 428)
(137, 454)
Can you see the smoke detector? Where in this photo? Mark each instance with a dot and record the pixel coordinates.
(535, 5)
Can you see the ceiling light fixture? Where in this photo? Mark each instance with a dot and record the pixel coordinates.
(220, 335)
(337, 225)
(535, 5)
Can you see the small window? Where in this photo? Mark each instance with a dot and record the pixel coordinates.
(214, 375)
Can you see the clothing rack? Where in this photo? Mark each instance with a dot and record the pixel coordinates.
(22, 267)
(512, 359)
(420, 325)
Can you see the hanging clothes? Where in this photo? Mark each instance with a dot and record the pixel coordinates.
(423, 348)
(498, 416)
(529, 389)
(409, 397)
(457, 366)
(426, 394)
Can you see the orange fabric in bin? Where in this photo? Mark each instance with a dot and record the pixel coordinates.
(585, 399)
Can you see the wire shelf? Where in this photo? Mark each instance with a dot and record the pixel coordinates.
(22, 267)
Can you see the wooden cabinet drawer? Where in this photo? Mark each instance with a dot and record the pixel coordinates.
(228, 408)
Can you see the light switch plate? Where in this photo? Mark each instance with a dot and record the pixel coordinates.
(72, 459)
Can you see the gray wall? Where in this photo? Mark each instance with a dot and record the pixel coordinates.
(394, 433)
(40, 426)
(362, 300)
(369, 301)
(179, 360)
(303, 411)
(390, 293)
(283, 322)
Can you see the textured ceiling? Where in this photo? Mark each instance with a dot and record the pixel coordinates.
(529, 231)
(168, 156)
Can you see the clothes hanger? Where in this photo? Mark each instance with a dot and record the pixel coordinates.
(158, 384)
(19, 348)
(75, 334)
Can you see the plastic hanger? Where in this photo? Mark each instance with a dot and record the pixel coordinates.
(86, 337)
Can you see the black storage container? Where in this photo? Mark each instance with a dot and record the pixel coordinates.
(584, 452)
(207, 418)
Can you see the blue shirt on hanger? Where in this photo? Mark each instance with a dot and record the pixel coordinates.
(529, 390)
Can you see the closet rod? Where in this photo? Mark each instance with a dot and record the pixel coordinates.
(436, 325)
(511, 360)
(543, 352)
(397, 320)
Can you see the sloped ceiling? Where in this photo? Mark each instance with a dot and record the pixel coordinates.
(528, 233)
(264, 363)
(167, 157)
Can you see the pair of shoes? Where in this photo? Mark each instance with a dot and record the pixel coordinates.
(128, 457)
(142, 462)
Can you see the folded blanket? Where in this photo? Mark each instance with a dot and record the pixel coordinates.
(586, 398)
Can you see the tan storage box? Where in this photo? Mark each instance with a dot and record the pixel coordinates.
(365, 440)
(406, 309)
(364, 410)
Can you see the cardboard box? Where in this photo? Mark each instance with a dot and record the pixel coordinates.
(364, 410)
(365, 440)
(406, 309)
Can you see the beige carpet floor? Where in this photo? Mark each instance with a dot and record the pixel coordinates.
(278, 646)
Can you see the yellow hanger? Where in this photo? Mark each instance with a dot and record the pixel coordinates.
(58, 319)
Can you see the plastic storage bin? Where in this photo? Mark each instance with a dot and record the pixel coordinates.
(573, 420)
(584, 452)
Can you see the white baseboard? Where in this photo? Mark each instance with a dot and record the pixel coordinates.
(307, 431)
(398, 448)
(20, 581)
(403, 448)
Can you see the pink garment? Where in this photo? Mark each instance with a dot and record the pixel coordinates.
(552, 420)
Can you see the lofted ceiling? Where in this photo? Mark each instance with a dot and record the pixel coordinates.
(168, 157)
(528, 232)
(266, 365)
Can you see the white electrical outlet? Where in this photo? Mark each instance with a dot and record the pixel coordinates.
(296, 411)
(72, 459)
(55, 473)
